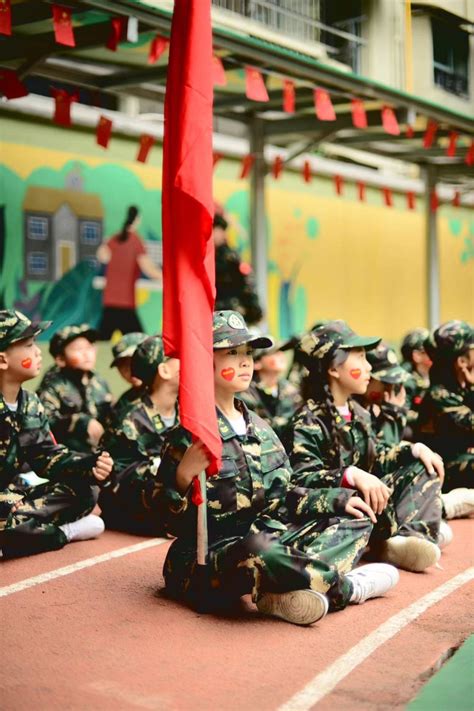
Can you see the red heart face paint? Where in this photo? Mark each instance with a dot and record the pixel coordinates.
(355, 373)
(228, 373)
(26, 363)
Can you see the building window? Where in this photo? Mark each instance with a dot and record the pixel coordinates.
(38, 263)
(37, 227)
(155, 251)
(90, 233)
(450, 57)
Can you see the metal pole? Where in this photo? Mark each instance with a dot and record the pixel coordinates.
(202, 541)
(258, 232)
(432, 251)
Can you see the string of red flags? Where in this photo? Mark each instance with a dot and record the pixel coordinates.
(430, 133)
(469, 159)
(255, 88)
(387, 196)
(434, 201)
(457, 199)
(5, 17)
(411, 200)
(289, 96)
(62, 23)
(158, 46)
(216, 157)
(361, 190)
(246, 167)
(219, 77)
(277, 167)
(453, 139)
(338, 184)
(307, 174)
(118, 26)
(63, 101)
(323, 105)
(410, 131)
(146, 144)
(389, 121)
(103, 131)
(359, 116)
(10, 85)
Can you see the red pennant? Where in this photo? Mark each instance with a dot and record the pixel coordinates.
(289, 97)
(469, 159)
(216, 157)
(158, 45)
(307, 174)
(118, 26)
(359, 117)
(103, 131)
(339, 184)
(388, 197)
(10, 86)
(277, 167)
(255, 88)
(219, 77)
(457, 199)
(453, 139)
(5, 17)
(196, 494)
(410, 132)
(434, 201)
(62, 107)
(411, 200)
(247, 163)
(146, 144)
(389, 121)
(430, 134)
(361, 190)
(323, 105)
(62, 23)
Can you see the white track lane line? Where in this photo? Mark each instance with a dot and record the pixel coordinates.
(326, 681)
(87, 563)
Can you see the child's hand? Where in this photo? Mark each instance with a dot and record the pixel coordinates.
(94, 432)
(430, 460)
(357, 507)
(195, 460)
(468, 374)
(395, 398)
(374, 491)
(103, 466)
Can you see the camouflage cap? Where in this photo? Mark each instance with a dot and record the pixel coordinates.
(322, 342)
(450, 339)
(15, 326)
(229, 329)
(385, 365)
(414, 341)
(126, 346)
(146, 359)
(66, 335)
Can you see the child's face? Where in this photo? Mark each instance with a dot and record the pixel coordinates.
(23, 360)
(353, 375)
(273, 364)
(80, 354)
(421, 358)
(233, 368)
(375, 391)
(124, 367)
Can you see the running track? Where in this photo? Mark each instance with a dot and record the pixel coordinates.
(84, 628)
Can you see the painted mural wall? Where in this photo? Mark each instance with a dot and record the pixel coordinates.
(328, 256)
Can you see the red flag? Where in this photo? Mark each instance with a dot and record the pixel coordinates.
(118, 25)
(361, 190)
(247, 163)
(289, 96)
(469, 159)
(157, 46)
(434, 202)
(62, 23)
(410, 132)
(307, 175)
(430, 134)
(5, 17)
(457, 199)
(339, 184)
(453, 139)
(359, 117)
(216, 157)
(62, 106)
(323, 105)
(187, 209)
(389, 121)
(277, 167)
(411, 200)
(146, 144)
(388, 197)
(103, 131)
(219, 77)
(255, 88)
(10, 86)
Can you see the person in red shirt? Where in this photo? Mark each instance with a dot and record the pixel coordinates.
(125, 257)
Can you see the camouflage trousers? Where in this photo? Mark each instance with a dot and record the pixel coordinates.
(33, 527)
(459, 472)
(414, 508)
(124, 509)
(316, 555)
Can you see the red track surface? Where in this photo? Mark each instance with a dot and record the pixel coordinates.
(102, 638)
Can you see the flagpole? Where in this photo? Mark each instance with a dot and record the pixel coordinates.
(202, 540)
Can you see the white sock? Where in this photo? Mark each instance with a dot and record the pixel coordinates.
(83, 529)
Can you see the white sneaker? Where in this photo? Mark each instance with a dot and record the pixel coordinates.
(458, 503)
(445, 535)
(410, 553)
(83, 529)
(301, 607)
(372, 580)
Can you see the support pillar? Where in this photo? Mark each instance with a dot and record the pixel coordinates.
(432, 252)
(258, 231)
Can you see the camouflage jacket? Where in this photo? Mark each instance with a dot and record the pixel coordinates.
(126, 401)
(234, 287)
(71, 398)
(315, 460)
(277, 409)
(388, 422)
(446, 421)
(416, 387)
(25, 438)
(251, 492)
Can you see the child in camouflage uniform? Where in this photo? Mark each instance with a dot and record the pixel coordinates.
(332, 444)
(135, 438)
(292, 549)
(417, 363)
(77, 401)
(45, 517)
(122, 353)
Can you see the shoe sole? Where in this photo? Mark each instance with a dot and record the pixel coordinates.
(300, 607)
(416, 555)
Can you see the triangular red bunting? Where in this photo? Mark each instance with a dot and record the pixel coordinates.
(388, 197)
(389, 121)
(216, 157)
(146, 144)
(307, 175)
(289, 96)
(434, 202)
(411, 200)
(5, 17)
(247, 163)
(118, 25)
(410, 132)
(103, 131)
(10, 86)
(218, 72)
(457, 199)
(453, 139)
(469, 159)
(62, 106)
(255, 88)
(361, 190)
(339, 184)
(62, 23)
(430, 133)
(158, 45)
(359, 117)
(277, 167)
(323, 105)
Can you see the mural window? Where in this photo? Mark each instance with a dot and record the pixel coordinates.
(155, 251)
(38, 227)
(38, 263)
(90, 233)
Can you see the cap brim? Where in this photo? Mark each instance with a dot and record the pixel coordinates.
(34, 329)
(127, 353)
(393, 376)
(367, 342)
(259, 342)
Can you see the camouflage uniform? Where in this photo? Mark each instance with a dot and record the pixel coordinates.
(25, 439)
(277, 409)
(417, 384)
(414, 507)
(446, 421)
(125, 348)
(134, 440)
(234, 287)
(72, 397)
(264, 535)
